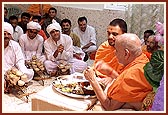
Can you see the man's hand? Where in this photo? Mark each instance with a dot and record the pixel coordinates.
(89, 74)
(60, 48)
(106, 69)
(77, 56)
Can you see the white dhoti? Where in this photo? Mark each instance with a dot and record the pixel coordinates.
(78, 65)
(50, 66)
(90, 49)
(78, 50)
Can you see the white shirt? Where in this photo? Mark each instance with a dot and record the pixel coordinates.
(31, 47)
(85, 37)
(13, 56)
(17, 33)
(50, 47)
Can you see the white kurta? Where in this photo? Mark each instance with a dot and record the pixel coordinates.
(32, 47)
(17, 33)
(50, 47)
(85, 37)
(13, 56)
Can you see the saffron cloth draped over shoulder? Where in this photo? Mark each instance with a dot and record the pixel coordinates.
(131, 85)
(106, 53)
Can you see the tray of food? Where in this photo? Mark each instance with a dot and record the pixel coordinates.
(74, 85)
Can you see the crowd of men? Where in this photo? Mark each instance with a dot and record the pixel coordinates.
(119, 60)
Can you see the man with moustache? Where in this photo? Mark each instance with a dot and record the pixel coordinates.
(87, 35)
(66, 29)
(13, 56)
(25, 18)
(31, 42)
(59, 47)
(151, 46)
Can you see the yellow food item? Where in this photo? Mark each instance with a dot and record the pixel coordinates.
(37, 69)
(14, 80)
(24, 77)
(63, 70)
(14, 70)
(8, 72)
(33, 63)
(11, 76)
(34, 57)
(21, 83)
(39, 64)
(61, 66)
(42, 69)
(19, 73)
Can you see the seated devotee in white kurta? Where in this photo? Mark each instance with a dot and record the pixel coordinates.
(60, 47)
(13, 56)
(31, 42)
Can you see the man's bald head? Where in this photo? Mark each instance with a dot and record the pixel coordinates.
(128, 45)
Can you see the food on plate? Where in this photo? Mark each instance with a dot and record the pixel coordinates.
(79, 88)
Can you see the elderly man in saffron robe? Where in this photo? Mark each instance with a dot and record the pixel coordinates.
(128, 89)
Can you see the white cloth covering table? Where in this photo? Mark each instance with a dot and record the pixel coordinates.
(49, 99)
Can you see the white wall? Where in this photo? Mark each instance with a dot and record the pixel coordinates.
(83, 5)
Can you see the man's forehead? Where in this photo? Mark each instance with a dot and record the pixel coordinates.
(114, 29)
(6, 32)
(65, 23)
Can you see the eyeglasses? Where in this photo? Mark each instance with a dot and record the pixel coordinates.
(31, 31)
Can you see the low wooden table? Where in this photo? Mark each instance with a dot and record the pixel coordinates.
(50, 100)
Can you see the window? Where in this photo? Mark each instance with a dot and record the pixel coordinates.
(116, 6)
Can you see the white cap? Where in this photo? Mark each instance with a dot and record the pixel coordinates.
(33, 25)
(8, 27)
(53, 26)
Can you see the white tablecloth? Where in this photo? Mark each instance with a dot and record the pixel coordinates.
(50, 100)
